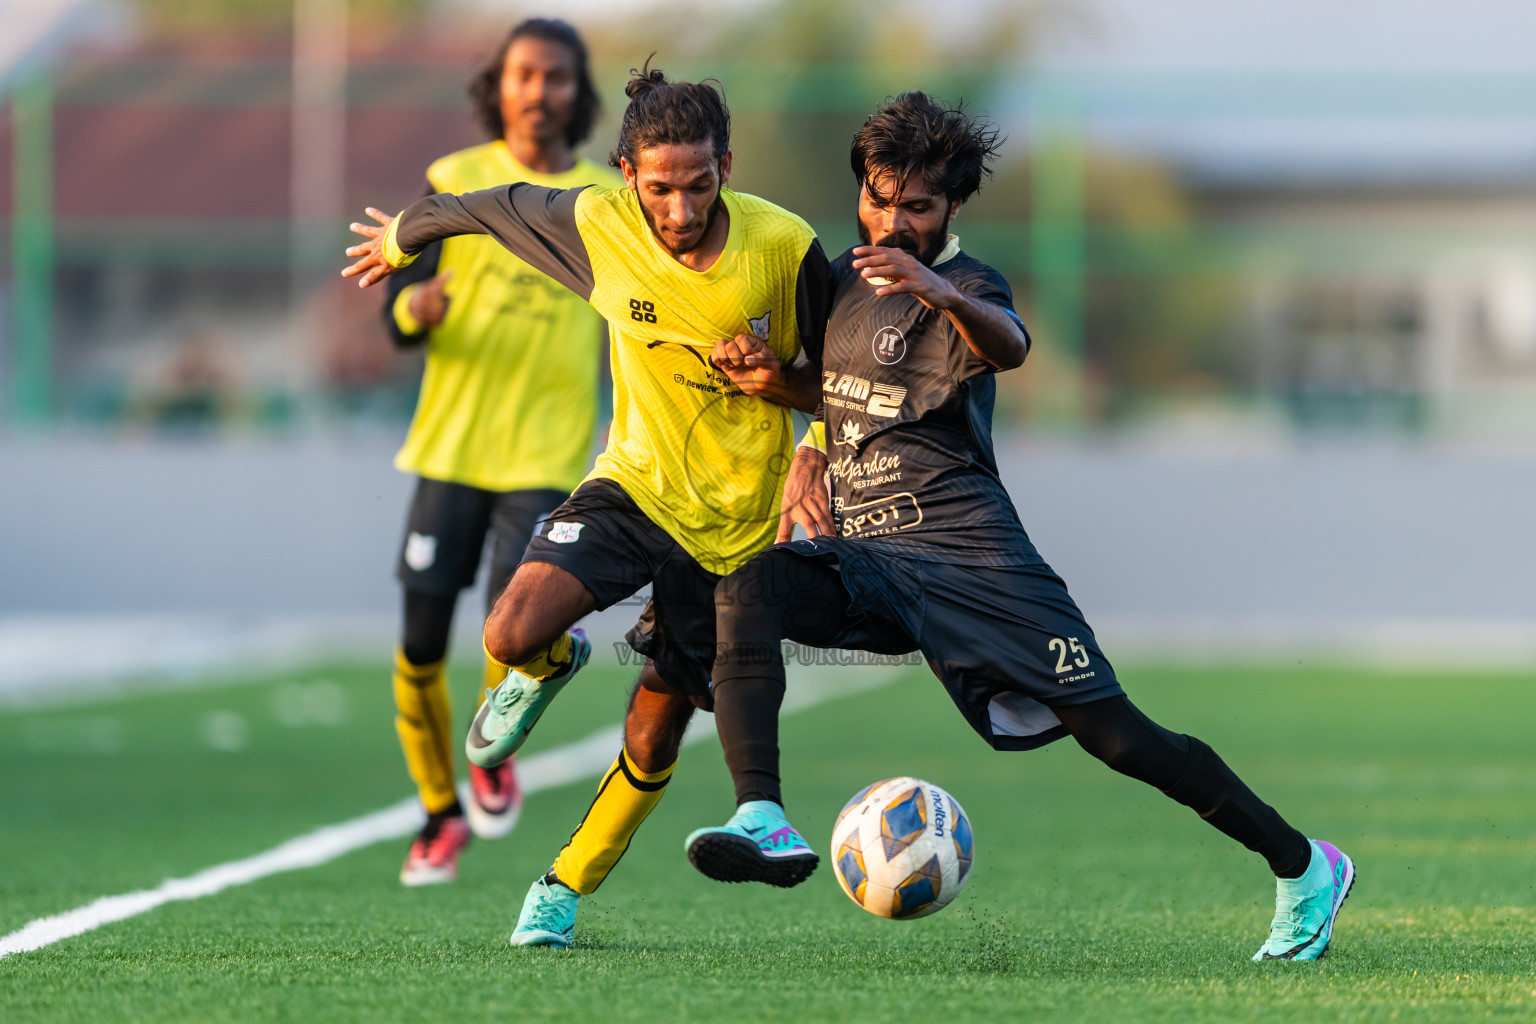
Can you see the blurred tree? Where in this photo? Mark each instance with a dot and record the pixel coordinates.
(801, 75)
(213, 21)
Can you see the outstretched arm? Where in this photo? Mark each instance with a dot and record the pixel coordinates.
(536, 224)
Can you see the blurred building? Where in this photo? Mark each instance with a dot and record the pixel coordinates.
(1390, 305)
(1355, 252)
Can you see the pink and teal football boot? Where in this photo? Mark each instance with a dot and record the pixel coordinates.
(1305, 907)
(758, 844)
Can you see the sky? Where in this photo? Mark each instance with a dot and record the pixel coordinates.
(1330, 89)
(1339, 35)
(1327, 90)
(1226, 34)
(1333, 90)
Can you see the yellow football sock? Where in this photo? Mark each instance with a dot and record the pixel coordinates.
(495, 672)
(623, 800)
(548, 661)
(422, 719)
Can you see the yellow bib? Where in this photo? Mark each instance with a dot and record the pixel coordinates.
(509, 397)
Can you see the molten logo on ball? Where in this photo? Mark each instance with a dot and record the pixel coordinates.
(902, 848)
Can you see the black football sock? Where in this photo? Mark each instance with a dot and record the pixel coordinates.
(748, 678)
(747, 717)
(1214, 792)
(1116, 732)
(428, 626)
(435, 820)
(774, 596)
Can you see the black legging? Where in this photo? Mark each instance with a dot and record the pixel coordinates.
(751, 609)
(428, 626)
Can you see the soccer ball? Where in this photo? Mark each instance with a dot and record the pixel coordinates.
(902, 848)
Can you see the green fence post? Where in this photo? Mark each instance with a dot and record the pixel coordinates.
(1058, 244)
(32, 250)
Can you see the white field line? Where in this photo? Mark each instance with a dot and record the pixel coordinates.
(548, 770)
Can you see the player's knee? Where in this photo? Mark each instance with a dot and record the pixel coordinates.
(652, 748)
(741, 589)
(1110, 748)
(749, 604)
(507, 641)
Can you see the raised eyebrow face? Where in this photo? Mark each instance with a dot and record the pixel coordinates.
(914, 197)
(701, 183)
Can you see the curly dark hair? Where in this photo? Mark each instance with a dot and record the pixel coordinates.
(662, 113)
(485, 88)
(914, 134)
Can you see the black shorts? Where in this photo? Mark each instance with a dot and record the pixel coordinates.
(600, 536)
(446, 528)
(1008, 643)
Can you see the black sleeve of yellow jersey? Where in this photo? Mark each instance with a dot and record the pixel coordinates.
(423, 269)
(536, 224)
(986, 284)
(814, 286)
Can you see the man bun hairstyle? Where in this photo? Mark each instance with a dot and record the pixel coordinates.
(916, 135)
(485, 88)
(664, 113)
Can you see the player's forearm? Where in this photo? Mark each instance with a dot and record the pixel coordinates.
(802, 386)
(990, 332)
(534, 223)
(434, 218)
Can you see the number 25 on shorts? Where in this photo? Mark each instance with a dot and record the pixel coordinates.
(1062, 649)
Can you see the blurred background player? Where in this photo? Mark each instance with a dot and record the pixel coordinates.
(503, 427)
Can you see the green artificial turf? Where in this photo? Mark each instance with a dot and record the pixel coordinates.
(1093, 898)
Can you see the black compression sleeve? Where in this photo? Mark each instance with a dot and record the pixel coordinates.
(1116, 732)
(423, 269)
(774, 596)
(428, 626)
(534, 223)
(814, 286)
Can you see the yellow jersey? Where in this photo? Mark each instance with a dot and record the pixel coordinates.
(509, 394)
(704, 461)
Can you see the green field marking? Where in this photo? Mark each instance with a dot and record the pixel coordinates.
(1092, 898)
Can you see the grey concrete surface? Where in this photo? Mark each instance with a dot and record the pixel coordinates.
(244, 526)
(187, 552)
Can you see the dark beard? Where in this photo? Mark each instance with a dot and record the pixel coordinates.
(709, 223)
(908, 242)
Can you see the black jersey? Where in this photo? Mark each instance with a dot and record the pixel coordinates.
(908, 412)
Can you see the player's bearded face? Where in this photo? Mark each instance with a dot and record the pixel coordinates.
(679, 189)
(904, 216)
(538, 88)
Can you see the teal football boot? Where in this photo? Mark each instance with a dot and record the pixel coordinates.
(513, 708)
(548, 917)
(758, 844)
(1305, 907)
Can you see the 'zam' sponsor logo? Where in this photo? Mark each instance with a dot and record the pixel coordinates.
(849, 392)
